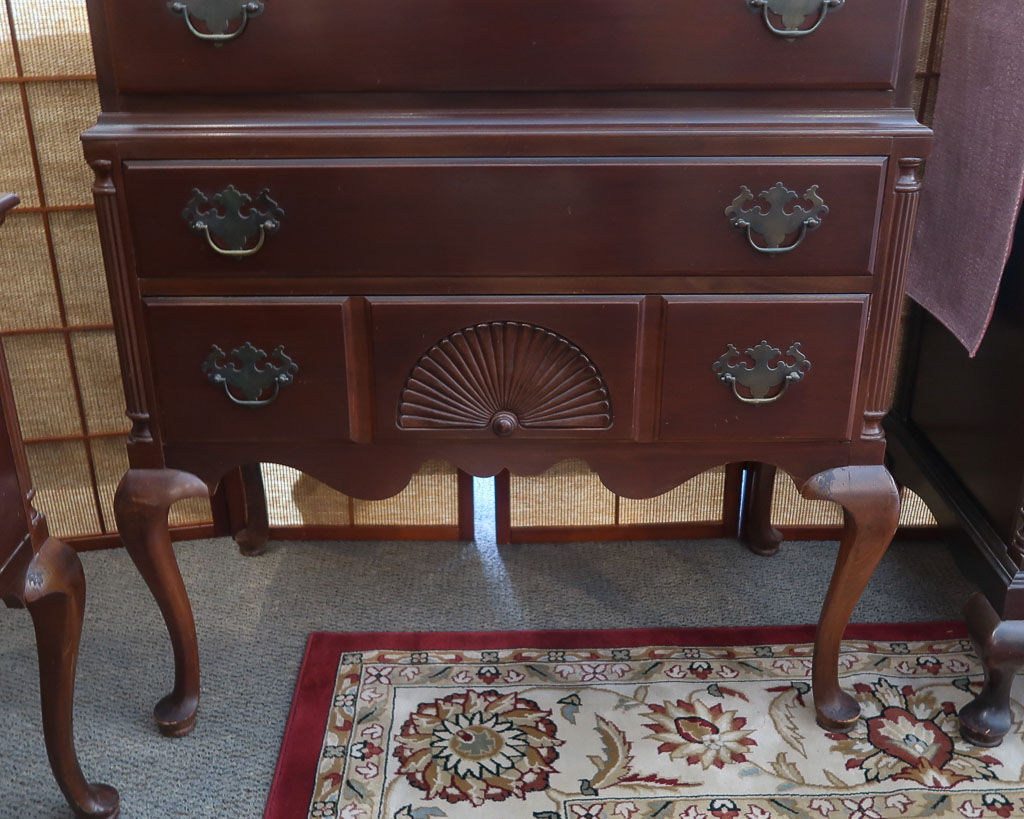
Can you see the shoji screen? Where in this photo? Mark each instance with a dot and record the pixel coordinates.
(54, 315)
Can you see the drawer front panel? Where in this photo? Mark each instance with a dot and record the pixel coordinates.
(495, 217)
(711, 391)
(249, 369)
(465, 45)
(487, 369)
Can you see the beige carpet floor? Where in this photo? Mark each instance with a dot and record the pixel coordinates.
(254, 614)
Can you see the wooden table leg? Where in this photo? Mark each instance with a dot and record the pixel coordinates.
(251, 527)
(55, 598)
(140, 506)
(758, 533)
(1000, 644)
(871, 511)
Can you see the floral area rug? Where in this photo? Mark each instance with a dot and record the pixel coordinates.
(655, 724)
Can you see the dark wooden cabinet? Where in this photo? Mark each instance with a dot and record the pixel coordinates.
(42, 574)
(656, 237)
(958, 442)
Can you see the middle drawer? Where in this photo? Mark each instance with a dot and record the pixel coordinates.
(505, 217)
(487, 369)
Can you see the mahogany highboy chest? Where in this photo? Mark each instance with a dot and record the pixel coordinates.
(657, 236)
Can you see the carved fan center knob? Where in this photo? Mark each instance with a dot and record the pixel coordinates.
(504, 423)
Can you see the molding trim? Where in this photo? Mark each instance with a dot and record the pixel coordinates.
(121, 284)
(887, 304)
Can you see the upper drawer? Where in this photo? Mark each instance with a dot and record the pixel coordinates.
(289, 46)
(503, 217)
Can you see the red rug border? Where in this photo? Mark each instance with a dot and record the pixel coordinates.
(289, 799)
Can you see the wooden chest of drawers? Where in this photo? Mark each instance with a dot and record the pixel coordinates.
(657, 237)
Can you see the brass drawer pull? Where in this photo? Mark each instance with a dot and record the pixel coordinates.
(250, 379)
(762, 378)
(217, 16)
(233, 219)
(776, 224)
(793, 14)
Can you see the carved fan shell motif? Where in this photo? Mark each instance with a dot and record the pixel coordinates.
(504, 375)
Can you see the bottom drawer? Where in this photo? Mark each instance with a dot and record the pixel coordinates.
(746, 368)
(249, 369)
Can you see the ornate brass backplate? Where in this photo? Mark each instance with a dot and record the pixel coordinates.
(247, 377)
(223, 19)
(233, 219)
(763, 378)
(775, 224)
(794, 13)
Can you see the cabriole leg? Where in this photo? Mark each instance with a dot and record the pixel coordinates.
(55, 598)
(871, 511)
(140, 506)
(1000, 644)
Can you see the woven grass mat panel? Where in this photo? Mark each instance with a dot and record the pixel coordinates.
(569, 494)
(296, 499)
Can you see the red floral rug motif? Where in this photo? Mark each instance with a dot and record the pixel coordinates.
(643, 724)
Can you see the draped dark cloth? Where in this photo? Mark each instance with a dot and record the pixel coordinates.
(975, 177)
